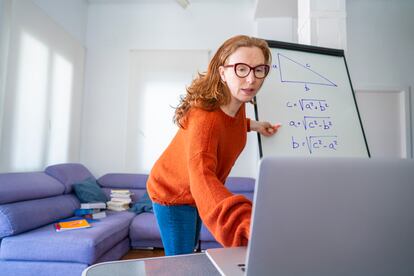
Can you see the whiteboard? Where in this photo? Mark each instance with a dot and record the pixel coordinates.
(309, 92)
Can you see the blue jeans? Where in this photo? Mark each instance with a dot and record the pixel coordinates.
(179, 227)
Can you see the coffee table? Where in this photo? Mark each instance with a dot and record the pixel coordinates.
(190, 264)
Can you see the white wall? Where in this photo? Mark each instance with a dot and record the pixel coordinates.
(277, 28)
(114, 29)
(381, 44)
(71, 15)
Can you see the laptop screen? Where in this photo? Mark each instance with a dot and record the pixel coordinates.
(333, 216)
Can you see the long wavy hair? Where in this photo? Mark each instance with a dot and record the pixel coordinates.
(207, 91)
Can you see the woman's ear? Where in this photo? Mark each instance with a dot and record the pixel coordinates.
(222, 76)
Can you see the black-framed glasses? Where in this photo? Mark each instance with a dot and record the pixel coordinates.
(242, 70)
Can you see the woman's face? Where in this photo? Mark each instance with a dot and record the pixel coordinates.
(243, 89)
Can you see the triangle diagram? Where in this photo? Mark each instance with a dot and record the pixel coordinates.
(295, 72)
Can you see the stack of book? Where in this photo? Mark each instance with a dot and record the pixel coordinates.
(71, 224)
(95, 210)
(120, 200)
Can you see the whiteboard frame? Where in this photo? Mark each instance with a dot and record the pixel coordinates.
(317, 50)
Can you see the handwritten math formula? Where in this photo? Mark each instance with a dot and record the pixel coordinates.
(309, 104)
(314, 143)
(312, 125)
(311, 121)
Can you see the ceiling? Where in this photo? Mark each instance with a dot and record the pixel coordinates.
(264, 8)
(162, 1)
(276, 8)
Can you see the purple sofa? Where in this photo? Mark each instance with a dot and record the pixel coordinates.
(31, 202)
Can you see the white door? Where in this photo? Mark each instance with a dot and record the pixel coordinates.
(385, 115)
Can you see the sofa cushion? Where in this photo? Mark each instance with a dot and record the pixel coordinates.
(68, 174)
(25, 186)
(144, 204)
(82, 245)
(144, 227)
(240, 185)
(89, 191)
(22, 216)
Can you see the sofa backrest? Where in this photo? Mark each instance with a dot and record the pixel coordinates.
(134, 182)
(68, 174)
(30, 200)
(241, 185)
(137, 184)
(16, 187)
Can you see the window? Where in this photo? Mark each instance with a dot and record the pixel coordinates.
(40, 108)
(157, 79)
(29, 113)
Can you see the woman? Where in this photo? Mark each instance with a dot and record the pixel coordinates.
(187, 181)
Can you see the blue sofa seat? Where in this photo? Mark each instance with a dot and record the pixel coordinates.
(79, 246)
(31, 203)
(144, 231)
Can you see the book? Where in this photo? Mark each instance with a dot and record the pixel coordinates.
(114, 195)
(118, 208)
(120, 191)
(71, 225)
(117, 203)
(97, 215)
(93, 205)
(90, 213)
(120, 200)
(81, 212)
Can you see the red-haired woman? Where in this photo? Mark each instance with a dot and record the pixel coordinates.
(187, 181)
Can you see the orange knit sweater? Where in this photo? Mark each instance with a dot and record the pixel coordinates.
(193, 168)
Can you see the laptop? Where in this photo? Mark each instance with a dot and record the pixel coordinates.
(328, 216)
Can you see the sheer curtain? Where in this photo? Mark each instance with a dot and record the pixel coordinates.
(41, 95)
(5, 9)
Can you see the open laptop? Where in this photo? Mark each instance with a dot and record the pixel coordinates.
(328, 216)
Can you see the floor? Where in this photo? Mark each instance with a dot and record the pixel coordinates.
(143, 253)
